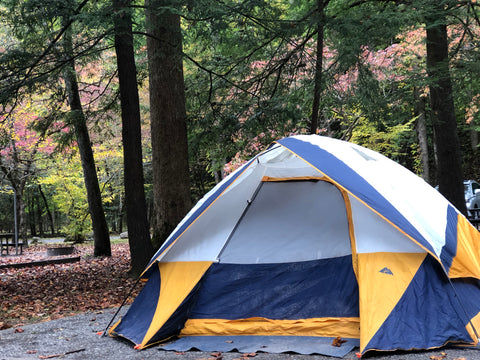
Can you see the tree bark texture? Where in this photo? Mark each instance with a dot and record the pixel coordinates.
(422, 136)
(317, 91)
(141, 248)
(101, 234)
(47, 208)
(449, 167)
(171, 183)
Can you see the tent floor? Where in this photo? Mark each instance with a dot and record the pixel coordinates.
(269, 344)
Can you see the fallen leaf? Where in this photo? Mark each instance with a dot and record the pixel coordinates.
(19, 330)
(438, 357)
(338, 341)
(248, 355)
(32, 351)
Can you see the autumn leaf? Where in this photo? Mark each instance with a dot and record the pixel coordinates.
(438, 357)
(19, 330)
(338, 341)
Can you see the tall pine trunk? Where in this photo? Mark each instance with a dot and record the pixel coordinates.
(141, 248)
(449, 168)
(317, 91)
(171, 183)
(77, 119)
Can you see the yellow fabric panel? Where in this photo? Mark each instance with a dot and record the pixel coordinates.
(466, 263)
(475, 321)
(328, 327)
(383, 278)
(177, 281)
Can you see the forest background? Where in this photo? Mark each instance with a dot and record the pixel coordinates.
(122, 114)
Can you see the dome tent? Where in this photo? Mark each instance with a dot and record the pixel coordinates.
(315, 237)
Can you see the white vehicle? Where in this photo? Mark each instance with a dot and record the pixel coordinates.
(472, 197)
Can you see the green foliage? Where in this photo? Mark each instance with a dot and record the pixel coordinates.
(65, 183)
(249, 70)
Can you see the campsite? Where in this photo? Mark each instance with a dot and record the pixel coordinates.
(288, 274)
(236, 179)
(73, 334)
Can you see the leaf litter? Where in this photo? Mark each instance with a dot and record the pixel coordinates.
(40, 293)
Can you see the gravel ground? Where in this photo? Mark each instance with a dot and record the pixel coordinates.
(76, 338)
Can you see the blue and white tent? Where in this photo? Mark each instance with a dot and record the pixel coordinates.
(316, 237)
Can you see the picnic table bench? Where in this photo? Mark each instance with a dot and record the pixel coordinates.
(7, 241)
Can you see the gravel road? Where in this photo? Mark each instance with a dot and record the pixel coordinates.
(76, 338)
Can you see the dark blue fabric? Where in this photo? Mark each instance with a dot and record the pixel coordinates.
(449, 250)
(428, 315)
(137, 320)
(357, 185)
(301, 290)
(468, 291)
(199, 211)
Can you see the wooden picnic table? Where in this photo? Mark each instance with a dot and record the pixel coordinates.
(7, 241)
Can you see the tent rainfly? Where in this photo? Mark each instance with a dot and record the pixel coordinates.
(316, 237)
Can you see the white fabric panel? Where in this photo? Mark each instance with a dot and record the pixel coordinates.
(416, 200)
(204, 239)
(285, 164)
(291, 221)
(374, 234)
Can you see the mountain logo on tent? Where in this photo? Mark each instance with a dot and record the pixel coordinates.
(387, 271)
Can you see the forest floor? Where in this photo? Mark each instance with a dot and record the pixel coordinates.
(32, 294)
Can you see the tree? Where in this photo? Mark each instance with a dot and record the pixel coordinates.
(20, 148)
(450, 174)
(138, 228)
(317, 90)
(77, 119)
(171, 183)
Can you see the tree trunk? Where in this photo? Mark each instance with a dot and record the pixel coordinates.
(49, 213)
(422, 136)
(101, 235)
(318, 68)
(449, 168)
(141, 248)
(171, 181)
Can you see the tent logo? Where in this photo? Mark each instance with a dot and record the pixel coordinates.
(387, 271)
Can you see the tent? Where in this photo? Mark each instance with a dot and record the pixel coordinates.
(315, 237)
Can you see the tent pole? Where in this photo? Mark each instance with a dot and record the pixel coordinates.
(249, 202)
(461, 305)
(121, 306)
